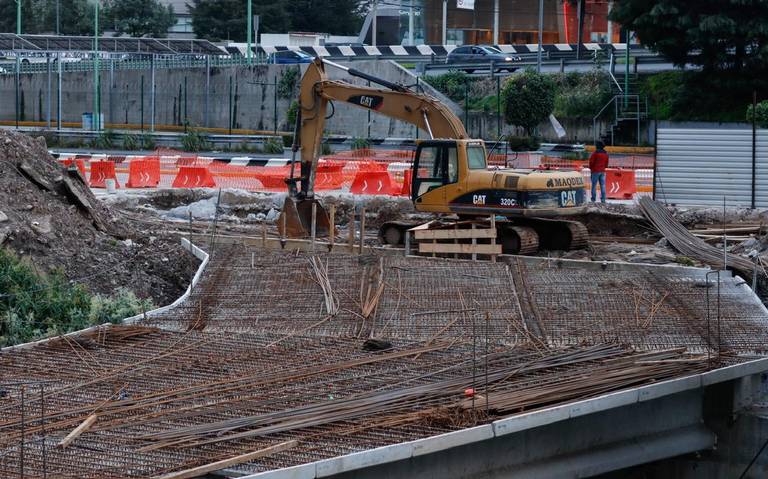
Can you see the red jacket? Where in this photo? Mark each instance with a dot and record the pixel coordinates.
(598, 162)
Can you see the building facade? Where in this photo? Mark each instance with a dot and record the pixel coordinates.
(416, 22)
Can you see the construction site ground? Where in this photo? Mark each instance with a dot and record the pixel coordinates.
(299, 356)
(312, 356)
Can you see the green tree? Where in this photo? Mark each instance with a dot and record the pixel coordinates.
(340, 17)
(762, 114)
(226, 19)
(139, 18)
(729, 34)
(39, 16)
(528, 99)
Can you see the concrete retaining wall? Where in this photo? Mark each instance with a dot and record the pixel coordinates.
(191, 94)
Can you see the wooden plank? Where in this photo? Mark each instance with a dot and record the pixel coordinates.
(84, 426)
(423, 226)
(459, 248)
(233, 461)
(719, 231)
(455, 234)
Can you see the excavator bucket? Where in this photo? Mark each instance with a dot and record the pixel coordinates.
(295, 220)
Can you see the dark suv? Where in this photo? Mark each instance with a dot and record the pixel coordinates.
(481, 54)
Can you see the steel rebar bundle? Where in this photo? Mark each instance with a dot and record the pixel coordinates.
(688, 244)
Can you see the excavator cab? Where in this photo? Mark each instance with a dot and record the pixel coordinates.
(435, 166)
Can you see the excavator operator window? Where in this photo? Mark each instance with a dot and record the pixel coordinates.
(476, 158)
(437, 165)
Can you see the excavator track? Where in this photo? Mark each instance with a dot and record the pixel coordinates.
(524, 237)
(392, 233)
(518, 239)
(558, 235)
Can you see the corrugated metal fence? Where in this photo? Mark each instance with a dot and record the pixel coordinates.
(701, 166)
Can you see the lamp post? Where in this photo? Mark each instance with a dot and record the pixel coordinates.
(18, 17)
(374, 22)
(541, 35)
(249, 37)
(96, 83)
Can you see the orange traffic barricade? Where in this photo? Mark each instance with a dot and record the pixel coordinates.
(373, 183)
(620, 184)
(193, 177)
(101, 171)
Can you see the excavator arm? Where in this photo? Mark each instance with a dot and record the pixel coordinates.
(394, 101)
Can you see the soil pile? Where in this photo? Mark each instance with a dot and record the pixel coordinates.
(48, 214)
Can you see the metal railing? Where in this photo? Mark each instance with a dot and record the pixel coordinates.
(85, 64)
(625, 107)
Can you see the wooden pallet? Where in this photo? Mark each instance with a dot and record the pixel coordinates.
(463, 238)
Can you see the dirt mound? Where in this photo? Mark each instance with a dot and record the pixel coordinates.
(47, 213)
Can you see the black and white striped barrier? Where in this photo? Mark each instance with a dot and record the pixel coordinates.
(428, 51)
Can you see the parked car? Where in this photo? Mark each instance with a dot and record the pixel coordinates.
(290, 57)
(481, 54)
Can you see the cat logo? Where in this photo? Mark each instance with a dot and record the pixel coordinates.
(478, 199)
(372, 102)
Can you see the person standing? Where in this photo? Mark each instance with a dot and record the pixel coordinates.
(598, 162)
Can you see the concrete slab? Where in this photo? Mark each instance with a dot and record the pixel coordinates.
(452, 439)
(363, 459)
(530, 420)
(304, 471)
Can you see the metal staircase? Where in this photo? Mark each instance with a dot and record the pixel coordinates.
(624, 112)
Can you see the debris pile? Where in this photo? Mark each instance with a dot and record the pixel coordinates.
(48, 214)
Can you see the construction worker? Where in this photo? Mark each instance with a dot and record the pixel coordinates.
(598, 162)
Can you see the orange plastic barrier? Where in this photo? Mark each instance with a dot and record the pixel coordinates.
(142, 174)
(102, 171)
(373, 183)
(620, 184)
(273, 178)
(407, 179)
(77, 161)
(152, 165)
(329, 175)
(193, 177)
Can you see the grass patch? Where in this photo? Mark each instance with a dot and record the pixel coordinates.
(35, 306)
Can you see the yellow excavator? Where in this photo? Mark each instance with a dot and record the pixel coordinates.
(450, 173)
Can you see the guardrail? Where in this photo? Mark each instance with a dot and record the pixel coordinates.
(510, 66)
(37, 64)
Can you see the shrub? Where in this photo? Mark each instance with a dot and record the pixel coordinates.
(130, 142)
(523, 143)
(147, 141)
(528, 99)
(286, 85)
(452, 84)
(105, 140)
(293, 110)
(113, 309)
(35, 306)
(581, 95)
(360, 143)
(194, 140)
(273, 145)
(760, 113)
